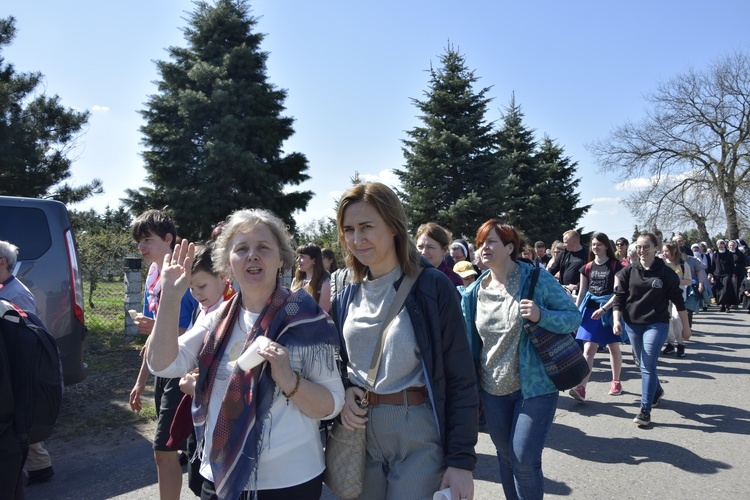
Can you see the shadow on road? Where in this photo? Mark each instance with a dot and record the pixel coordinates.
(631, 451)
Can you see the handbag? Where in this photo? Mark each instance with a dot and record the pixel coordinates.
(345, 450)
(561, 355)
(692, 302)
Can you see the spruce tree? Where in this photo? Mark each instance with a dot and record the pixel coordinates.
(561, 198)
(449, 169)
(537, 181)
(214, 131)
(36, 135)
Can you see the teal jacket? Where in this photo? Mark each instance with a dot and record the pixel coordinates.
(559, 315)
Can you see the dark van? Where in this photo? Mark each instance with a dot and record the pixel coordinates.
(48, 266)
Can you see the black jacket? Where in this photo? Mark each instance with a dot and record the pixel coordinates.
(435, 312)
(643, 295)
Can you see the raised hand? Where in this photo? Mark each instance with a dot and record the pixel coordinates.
(176, 272)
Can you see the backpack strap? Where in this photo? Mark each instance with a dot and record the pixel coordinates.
(587, 269)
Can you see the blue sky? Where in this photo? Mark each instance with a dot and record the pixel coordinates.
(351, 68)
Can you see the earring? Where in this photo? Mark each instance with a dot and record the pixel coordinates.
(280, 274)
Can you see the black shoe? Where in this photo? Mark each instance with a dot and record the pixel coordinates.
(723, 309)
(41, 475)
(657, 397)
(668, 350)
(705, 308)
(680, 351)
(643, 418)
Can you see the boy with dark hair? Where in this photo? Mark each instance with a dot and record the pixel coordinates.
(541, 259)
(156, 235)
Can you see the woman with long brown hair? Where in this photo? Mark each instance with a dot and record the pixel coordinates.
(312, 276)
(422, 411)
(595, 301)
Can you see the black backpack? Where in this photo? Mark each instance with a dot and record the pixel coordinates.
(35, 373)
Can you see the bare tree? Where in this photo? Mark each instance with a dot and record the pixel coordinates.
(674, 202)
(699, 125)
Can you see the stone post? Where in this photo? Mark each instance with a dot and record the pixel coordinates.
(133, 298)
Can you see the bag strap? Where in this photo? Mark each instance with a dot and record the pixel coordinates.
(406, 285)
(587, 269)
(532, 286)
(340, 280)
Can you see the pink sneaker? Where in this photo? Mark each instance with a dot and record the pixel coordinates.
(578, 393)
(616, 388)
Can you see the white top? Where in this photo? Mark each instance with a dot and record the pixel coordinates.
(292, 453)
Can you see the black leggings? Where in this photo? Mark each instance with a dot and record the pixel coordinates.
(311, 490)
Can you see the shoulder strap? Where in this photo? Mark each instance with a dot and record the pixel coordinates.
(406, 285)
(340, 278)
(587, 269)
(532, 286)
(563, 262)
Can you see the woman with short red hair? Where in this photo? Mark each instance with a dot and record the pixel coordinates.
(519, 398)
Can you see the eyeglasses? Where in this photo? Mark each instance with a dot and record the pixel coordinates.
(644, 247)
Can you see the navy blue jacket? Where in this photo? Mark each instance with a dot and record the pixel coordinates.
(435, 313)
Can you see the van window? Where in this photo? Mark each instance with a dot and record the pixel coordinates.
(26, 228)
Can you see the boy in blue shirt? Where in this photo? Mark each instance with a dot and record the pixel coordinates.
(156, 235)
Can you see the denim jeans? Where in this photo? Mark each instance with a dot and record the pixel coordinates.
(519, 428)
(647, 341)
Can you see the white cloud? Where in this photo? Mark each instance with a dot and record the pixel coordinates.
(99, 109)
(387, 177)
(646, 182)
(633, 184)
(606, 200)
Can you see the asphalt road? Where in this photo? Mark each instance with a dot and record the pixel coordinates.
(696, 448)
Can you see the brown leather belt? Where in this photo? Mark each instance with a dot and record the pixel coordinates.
(413, 396)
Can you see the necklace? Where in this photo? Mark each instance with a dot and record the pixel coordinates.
(239, 323)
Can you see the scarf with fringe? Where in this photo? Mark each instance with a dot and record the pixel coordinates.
(292, 319)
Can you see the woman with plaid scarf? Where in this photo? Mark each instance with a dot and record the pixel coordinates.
(257, 429)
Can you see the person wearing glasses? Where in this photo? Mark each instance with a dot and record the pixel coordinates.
(621, 251)
(643, 291)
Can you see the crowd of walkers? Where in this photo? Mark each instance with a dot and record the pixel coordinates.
(415, 341)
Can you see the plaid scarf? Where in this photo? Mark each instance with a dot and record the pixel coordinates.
(292, 319)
